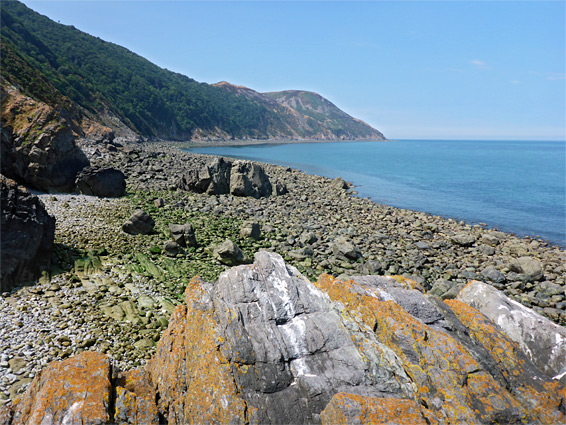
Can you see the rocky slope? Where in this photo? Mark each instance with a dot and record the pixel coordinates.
(314, 106)
(263, 338)
(307, 115)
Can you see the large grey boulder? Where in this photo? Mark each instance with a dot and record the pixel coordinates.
(229, 253)
(249, 179)
(221, 177)
(102, 182)
(527, 266)
(27, 232)
(183, 234)
(463, 239)
(140, 223)
(543, 341)
(296, 348)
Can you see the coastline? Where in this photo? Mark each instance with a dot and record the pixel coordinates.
(121, 303)
(254, 142)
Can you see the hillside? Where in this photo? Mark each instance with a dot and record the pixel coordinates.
(54, 63)
(318, 108)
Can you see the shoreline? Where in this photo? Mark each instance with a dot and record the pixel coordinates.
(230, 143)
(120, 304)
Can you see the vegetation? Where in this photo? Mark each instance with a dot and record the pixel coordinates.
(50, 61)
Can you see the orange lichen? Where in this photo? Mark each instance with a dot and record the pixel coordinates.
(350, 408)
(189, 371)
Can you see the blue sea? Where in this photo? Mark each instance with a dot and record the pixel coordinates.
(515, 186)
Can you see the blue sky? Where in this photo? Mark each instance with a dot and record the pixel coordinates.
(446, 69)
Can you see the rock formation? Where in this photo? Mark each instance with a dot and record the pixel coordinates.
(38, 143)
(105, 182)
(264, 345)
(27, 235)
(221, 177)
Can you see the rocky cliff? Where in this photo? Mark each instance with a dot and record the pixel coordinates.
(265, 345)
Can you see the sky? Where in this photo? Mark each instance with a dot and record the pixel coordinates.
(411, 69)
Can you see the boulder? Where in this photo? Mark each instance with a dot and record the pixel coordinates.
(173, 248)
(339, 183)
(527, 266)
(250, 229)
(102, 182)
(183, 234)
(249, 179)
(445, 289)
(221, 177)
(492, 274)
(541, 340)
(140, 223)
(463, 239)
(27, 236)
(229, 253)
(343, 248)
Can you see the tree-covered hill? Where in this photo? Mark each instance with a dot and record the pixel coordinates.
(53, 63)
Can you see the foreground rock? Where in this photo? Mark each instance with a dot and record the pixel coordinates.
(264, 345)
(27, 236)
(220, 177)
(105, 182)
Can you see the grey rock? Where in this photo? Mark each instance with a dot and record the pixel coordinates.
(463, 239)
(308, 238)
(345, 249)
(229, 253)
(422, 245)
(490, 239)
(541, 340)
(249, 179)
(213, 178)
(140, 223)
(445, 289)
(173, 249)
(103, 182)
(183, 234)
(372, 267)
(492, 274)
(250, 229)
(339, 183)
(528, 267)
(27, 237)
(159, 202)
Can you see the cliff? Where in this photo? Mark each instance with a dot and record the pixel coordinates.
(265, 345)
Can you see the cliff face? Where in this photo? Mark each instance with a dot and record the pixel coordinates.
(38, 146)
(264, 345)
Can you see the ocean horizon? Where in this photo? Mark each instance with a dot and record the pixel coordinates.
(517, 187)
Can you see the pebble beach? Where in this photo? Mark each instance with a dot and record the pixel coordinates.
(113, 292)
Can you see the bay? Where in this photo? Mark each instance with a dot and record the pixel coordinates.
(516, 186)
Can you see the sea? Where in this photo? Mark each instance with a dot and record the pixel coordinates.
(517, 187)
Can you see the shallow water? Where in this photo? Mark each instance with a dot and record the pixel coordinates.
(516, 186)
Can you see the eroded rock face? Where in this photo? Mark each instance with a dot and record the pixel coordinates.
(27, 234)
(38, 144)
(264, 345)
(221, 177)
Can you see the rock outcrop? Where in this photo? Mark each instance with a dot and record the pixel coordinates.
(221, 177)
(265, 345)
(38, 143)
(103, 182)
(27, 234)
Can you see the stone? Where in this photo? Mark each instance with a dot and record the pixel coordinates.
(102, 182)
(463, 239)
(83, 398)
(173, 249)
(250, 229)
(249, 179)
(372, 267)
(345, 249)
(140, 223)
(229, 253)
(543, 341)
(159, 203)
(183, 234)
(28, 233)
(339, 183)
(527, 266)
(492, 274)
(213, 178)
(445, 289)
(307, 238)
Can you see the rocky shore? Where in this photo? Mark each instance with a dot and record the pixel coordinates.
(113, 292)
